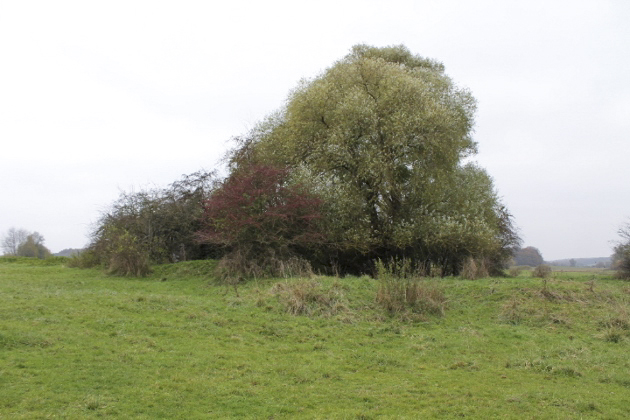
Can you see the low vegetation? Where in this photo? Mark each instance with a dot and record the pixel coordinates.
(81, 344)
(542, 271)
(401, 292)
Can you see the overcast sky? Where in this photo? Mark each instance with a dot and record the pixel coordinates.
(102, 97)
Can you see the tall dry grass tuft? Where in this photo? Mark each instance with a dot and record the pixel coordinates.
(515, 271)
(512, 312)
(309, 298)
(398, 294)
(291, 267)
(474, 269)
(238, 266)
(617, 326)
(543, 271)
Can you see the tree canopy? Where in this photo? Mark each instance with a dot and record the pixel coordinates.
(382, 137)
(530, 256)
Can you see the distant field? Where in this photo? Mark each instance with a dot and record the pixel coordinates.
(582, 270)
(567, 269)
(78, 344)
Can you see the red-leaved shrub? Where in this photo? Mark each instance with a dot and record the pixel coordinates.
(260, 216)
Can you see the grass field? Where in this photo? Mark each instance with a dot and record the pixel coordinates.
(78, 344)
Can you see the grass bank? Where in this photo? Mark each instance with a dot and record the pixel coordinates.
(78, 344)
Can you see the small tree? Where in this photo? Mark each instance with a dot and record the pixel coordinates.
(260, 218)
(12, 240)
(33, 247)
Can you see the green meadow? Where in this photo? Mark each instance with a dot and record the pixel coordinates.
(79, 344)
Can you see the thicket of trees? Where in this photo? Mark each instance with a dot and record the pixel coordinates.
(22, 243)
(381, 137)
(367, 161)
(152, 226)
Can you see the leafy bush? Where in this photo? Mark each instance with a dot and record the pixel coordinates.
(124, 254)
(263, 222)
(85, 259)
(162, 222)
(543, 271)
(623, 263)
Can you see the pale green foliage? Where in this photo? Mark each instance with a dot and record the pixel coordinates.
(381, 135)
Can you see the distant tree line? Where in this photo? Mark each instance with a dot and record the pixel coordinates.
(600, 262)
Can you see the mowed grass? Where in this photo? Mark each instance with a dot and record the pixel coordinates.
(78, 344)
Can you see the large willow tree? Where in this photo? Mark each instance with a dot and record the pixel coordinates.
(382, 136)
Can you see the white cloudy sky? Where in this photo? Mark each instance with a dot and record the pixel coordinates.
(99, 97)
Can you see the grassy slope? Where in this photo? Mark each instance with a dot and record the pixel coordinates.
(77, 344)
